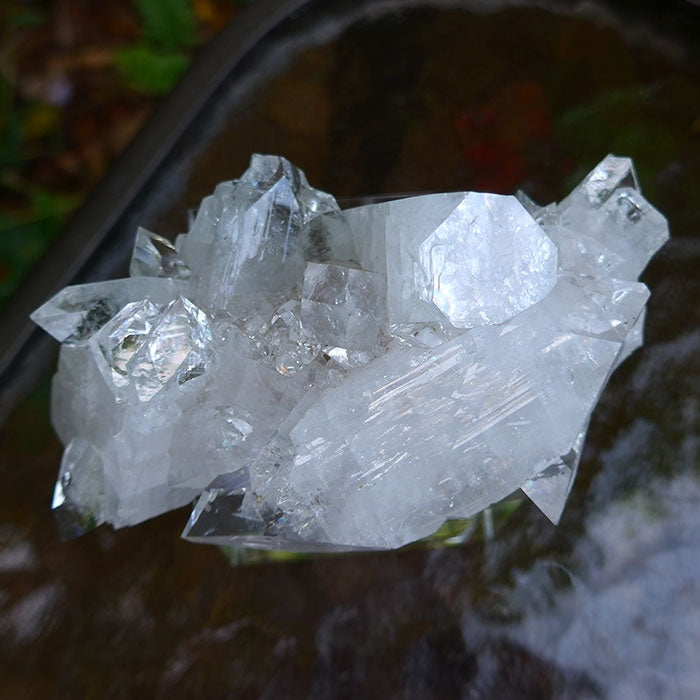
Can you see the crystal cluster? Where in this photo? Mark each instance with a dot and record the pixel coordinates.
(325, 379)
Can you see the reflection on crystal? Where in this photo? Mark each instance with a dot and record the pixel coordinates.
(119, 339)
(549, 489)
(487, 262)
(330, 380)
(343, 306)
(155, 256)
(178, 346)
(79, 499)
(75, 313)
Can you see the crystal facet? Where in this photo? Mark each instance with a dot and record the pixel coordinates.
(78, 498)
(155, 256)
(343, 306)
(328, 380)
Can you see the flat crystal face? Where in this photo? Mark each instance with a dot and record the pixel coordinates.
(330, 381)
(177, 348)
(119, 339)
(488, 261)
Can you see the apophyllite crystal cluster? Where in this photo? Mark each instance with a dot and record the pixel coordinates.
(325, 379)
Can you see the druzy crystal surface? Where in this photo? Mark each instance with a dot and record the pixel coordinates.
(326, 380)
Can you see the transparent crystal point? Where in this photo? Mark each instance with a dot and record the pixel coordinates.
(612, 173)
(155, 256)
(549, 489)
(228, 514)
(79, 498)
(177, 348)
(608, 207)
(219, 512)
(118, 340)
(259, 231)
(75, 313)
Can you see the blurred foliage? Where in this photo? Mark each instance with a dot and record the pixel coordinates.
(76, 82)
(24, 235)
(169, 25)
(169, 31)
(149, 71)
(621, 120)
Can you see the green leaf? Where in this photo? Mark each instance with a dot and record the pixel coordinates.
(150, 72)
(169, 25)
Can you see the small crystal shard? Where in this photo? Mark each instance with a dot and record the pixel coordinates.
(327, 380)
(155, 256)
(79, 499)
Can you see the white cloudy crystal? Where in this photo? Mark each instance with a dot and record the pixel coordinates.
(333, 380)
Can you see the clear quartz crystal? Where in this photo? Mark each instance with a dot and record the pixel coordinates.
(343, 306)
(155, 256)
(177, 348)
(328, 380)
(469, 258)
(255, 234)
(119, 339)
(75, 313)
(79, 498)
